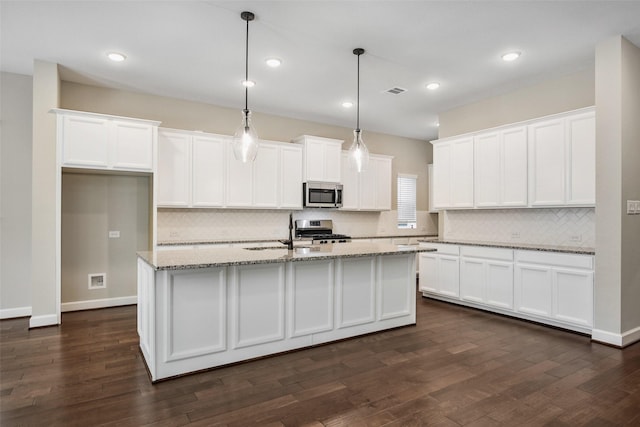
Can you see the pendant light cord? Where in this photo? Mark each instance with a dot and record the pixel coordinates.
(246, 71)
(358, 99)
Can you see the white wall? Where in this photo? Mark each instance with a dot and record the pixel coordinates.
(15, 195)
(617, 290)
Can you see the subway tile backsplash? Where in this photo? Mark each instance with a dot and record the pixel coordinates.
(197, 225)
(561, 226)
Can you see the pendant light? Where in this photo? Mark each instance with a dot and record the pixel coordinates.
(245, 140)
(358, 152)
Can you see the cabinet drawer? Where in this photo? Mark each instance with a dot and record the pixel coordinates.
(442, 248)
(555, 259)
(487, 253)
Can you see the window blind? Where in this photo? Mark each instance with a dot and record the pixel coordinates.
(407, 200)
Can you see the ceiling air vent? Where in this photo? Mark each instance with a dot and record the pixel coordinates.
(396, 90)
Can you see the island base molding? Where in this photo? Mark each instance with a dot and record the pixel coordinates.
(197, 319)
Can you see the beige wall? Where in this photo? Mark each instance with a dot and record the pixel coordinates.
(45, 304)
(15, 194)
(552, 96)
(617, 159)
(93, 205)
(410, 156)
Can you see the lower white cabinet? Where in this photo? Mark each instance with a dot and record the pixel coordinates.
(557, 287)
(548, 287)
(439, 271)
(486, 276)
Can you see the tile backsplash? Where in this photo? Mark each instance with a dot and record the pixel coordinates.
(561, 226)
(197, 225)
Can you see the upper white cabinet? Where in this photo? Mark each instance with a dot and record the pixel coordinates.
(562, 161)
(321, 158)
(197, 169)
(545, 162)
(453, 173)
(369, 189)
(500, 167)
(98, 141)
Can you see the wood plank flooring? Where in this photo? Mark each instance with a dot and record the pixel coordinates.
(458, 366)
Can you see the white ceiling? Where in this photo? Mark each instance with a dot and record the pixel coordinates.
(195, 50)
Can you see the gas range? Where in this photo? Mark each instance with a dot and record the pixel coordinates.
(319, 231)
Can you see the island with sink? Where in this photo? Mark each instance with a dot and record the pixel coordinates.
(203, 308)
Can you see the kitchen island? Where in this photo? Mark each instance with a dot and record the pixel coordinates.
(203, 308)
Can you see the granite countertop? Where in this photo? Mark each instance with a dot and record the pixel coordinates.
(514, 245)
(218, 257)
(275, 241)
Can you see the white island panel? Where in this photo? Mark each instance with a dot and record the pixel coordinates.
(311, 294)
(356, 292)
(396, 299)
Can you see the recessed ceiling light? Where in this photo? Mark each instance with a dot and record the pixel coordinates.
(347, 104)
(433, 86)
(511, 56)
(437, 124)
(248, 83)
(116, 56)
(273, 62)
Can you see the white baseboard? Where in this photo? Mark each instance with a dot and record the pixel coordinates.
(46, 320)
(10, 313)
(98, 303)
(618, 340)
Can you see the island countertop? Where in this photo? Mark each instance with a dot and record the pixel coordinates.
(515, 245)
(216, 257)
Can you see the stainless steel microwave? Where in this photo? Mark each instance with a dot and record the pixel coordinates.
(322, 194)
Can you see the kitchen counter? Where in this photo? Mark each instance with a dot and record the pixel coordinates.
(203, 308)
(275, 242)
(217, 257)
(515, 245)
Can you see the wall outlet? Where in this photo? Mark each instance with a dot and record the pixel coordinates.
(114, 234)
(575, 237)
(174, 234)
(515, 235)
(98, 281)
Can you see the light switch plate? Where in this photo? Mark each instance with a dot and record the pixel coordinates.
(114, 234)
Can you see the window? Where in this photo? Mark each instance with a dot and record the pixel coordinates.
(407, 201)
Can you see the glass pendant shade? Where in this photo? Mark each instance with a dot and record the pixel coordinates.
(358, 153)
(245, 140)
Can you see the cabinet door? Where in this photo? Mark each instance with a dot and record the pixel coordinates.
(573, 296)
(428, 268)
(581, 139)
(291, 177)
(487, 170)
(174, 165)
(266, 177)
(239, 182)
(547, 163)
(430, 186)
(441, 175)
(449, 275)
(332, 155)
(368, 180)
(462, 173)
(132, 146)
(513, 180)
(85, 141)
(383, 180)
(472, 280)
(534, 290)
(350, 184)
(208, 163)
(499, 284)
(314, 160)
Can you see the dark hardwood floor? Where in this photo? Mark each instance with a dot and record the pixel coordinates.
(458, 366)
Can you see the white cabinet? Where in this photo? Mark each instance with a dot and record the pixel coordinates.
(555, 287)
(500, 167)
(198, 169)
(453, 173)
(432, 208)
(440, 271)
(545, 162)
(562, 161)
(486, 276)
(174, 167)
(98, 141)
(369, 189)
(321, 159)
